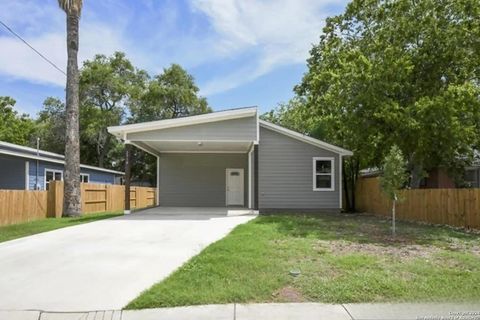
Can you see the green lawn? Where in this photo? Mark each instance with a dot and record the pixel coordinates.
(19, 230)
(342, 258)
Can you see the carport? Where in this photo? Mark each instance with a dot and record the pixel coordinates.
(205, 161)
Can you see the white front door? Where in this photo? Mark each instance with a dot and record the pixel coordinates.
(234, 187)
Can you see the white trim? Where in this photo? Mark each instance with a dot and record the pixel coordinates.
(40, 158)
(85, 174)
(45, 176)
(304, 138)
(158, 181)
(242, 174)
(332, 173)
(183, 140)
(250, 179)
(216, 151)
(179, 122)
(340, 176)
(27, 174)
(16, 146)
(258, 129)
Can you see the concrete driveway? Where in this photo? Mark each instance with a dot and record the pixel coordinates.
(103, 265)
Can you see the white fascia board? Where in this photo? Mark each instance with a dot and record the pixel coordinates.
(304, 138)
(16, 146)
(45, 159)
(179, 122)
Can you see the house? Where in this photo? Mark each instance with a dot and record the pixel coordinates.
(25, 168)
(233, 159)
(440, 178)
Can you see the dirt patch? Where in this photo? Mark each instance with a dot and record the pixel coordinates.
(407, 251)
(288, 294)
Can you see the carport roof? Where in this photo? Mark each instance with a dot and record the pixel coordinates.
(120, 131)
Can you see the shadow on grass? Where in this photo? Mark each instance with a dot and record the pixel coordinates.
(364, 228)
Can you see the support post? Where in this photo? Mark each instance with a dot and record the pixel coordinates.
(255, 176)
(128, 166)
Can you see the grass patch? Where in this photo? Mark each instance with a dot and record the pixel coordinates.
(19, 230)
(342, 258)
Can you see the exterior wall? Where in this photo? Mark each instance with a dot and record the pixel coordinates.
(12, 173)
(286, 175)
(237, 129)
(198, 180)
(95, 176)
(438, 178)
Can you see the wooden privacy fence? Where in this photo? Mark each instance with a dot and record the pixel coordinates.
(23, 205)
(455, 207)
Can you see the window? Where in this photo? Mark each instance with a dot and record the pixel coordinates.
(84, 177)
(323, 174)
(52, 175)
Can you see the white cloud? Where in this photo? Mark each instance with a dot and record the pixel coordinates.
(250, 37)
(279, 32)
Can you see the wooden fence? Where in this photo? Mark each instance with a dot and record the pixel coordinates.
(455, 207)
(21, 205)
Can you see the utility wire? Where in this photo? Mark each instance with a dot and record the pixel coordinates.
(31, 47)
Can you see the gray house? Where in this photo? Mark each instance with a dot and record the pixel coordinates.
(233, 159)
(25, 168)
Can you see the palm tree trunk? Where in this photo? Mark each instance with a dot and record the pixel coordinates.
(72, 200)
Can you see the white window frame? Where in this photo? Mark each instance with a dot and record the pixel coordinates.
(45, 176)
(86, 175)
(332, 174)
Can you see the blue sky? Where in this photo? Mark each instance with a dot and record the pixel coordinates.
(241, 52)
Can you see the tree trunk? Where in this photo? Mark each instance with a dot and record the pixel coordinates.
(394, 202)
(72, 194)
(417, 176)
(345, 191)
(128, 166)
(103, 151)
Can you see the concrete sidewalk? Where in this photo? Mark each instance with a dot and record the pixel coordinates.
(271, 311)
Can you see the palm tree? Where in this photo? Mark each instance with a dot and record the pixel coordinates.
(72, 200)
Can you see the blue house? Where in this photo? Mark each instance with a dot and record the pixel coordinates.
(24, 168)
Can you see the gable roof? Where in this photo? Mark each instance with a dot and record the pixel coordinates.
(16, 150)
(231, 114)
(304, 138)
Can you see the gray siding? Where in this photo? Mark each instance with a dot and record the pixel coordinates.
(237, 129)
(12, 173)
(198, 180)
(285, 174)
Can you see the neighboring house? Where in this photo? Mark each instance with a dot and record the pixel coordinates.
(233, 159)
(22, 168)
(438, 178)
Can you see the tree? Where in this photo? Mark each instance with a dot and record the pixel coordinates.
(106, 86)
(14, 128)
(398, 72)
(50, 126)
(72, 196)
(393, 178)
(171, 94)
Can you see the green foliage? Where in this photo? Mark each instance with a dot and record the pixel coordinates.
(14, 128)
(171, 94)
(50, 126)
(395, 72)
(394, 173)
(107, 84)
